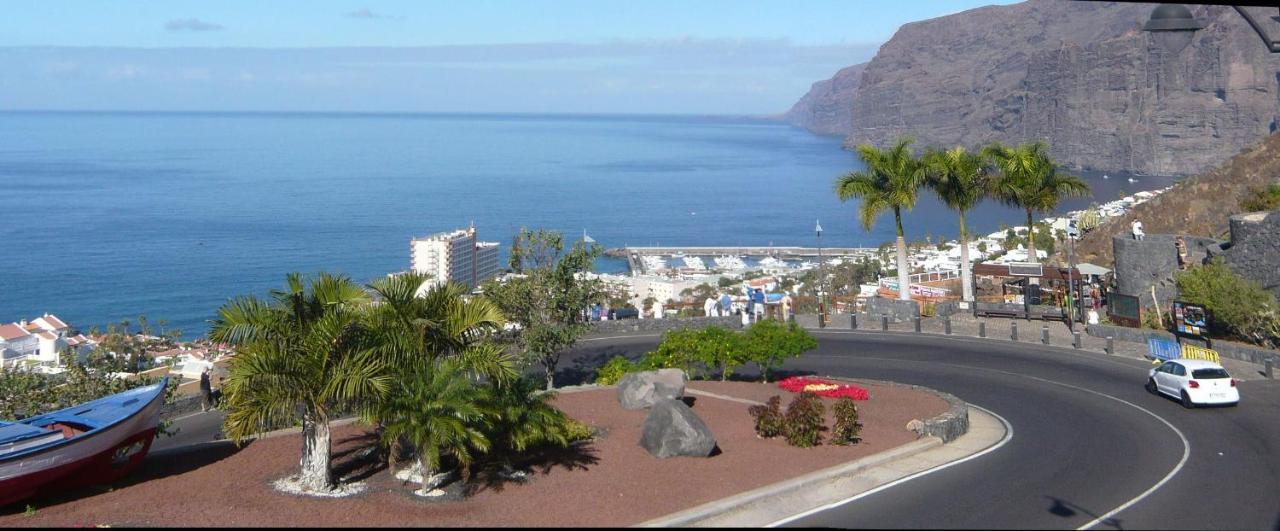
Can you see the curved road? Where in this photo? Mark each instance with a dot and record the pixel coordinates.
(1090, 445)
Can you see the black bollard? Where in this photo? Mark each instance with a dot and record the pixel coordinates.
(884, 323)
(1111, 345)
(1044, 334)
(946, 325)
(822, 321)
(1267, 365)
(917, 323)
(853, 321)
(1076, 341)
(1013, 330)
(982, 329)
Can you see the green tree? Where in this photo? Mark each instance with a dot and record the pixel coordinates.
(1237, 306)
(891, 181)
(769, 343)
(1028, 179)
(959, 179)
(442, 412)
(301, 353)
(548, 301)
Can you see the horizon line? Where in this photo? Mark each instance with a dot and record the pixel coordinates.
(777, 117)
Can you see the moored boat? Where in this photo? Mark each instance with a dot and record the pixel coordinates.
(94, 442)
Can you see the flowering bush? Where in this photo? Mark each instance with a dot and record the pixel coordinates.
(823, 388)
(804, 421)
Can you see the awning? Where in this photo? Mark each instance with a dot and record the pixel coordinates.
(1090, 269)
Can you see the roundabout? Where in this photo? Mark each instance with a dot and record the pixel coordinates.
(1093, 448)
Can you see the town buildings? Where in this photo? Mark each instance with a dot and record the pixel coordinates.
(455, 256)
(37, 343)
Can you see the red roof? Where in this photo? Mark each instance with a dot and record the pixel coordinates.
(12, 331)
(47, 336)
(53, 320)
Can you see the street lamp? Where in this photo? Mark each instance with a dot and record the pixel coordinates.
(822, 278)
(1173, 25)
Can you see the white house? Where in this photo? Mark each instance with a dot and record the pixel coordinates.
(38, 343)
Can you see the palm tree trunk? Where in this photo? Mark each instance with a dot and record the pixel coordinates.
(1031, 246)
(904, 280)
(966, 271)
(427, 475)
(314, 474)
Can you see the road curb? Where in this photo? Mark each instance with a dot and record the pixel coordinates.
(771, 503)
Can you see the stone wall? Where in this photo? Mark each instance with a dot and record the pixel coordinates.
(624, 326)
(1254, 251)
(898, 311)
(1152, 262)
(182, 406)
(1226, 349)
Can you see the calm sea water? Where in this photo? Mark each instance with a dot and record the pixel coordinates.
(111, 215)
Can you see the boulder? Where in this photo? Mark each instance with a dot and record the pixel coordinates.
(640, 390)
(673, 429)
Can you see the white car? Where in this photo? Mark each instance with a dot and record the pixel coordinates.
(1194, 382)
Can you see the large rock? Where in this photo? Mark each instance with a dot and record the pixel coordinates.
(672, 429)
(640, 390)
(1080, 75)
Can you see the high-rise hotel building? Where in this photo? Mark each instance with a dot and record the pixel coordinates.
(455, 256)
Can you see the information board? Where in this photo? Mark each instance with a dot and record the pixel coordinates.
(1123, 309)
(1190, 319)
(1026, 269)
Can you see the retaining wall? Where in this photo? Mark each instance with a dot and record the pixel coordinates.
(622, 326)
(1226, 349)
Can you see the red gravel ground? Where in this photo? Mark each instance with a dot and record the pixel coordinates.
(611, 481)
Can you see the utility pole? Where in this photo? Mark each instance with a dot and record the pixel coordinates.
(822, 278)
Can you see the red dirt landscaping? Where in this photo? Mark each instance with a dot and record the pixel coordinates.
(610, 481)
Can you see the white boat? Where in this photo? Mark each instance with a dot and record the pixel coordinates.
(772, 262)
(730, 263)
(695, 263)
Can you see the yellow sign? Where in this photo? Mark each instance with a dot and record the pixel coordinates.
(1192, 352)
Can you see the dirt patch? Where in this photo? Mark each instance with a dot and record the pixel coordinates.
(611, 481)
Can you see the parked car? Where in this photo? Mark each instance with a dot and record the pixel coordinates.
(623, 313)
(1194, 382)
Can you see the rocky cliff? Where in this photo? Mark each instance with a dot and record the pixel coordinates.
(827, 108)
(1080, 75)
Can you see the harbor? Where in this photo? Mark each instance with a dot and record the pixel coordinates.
(659, 260)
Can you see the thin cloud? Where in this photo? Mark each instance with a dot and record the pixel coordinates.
(368, 14)
(192, 24)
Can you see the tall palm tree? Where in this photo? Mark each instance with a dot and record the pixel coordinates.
(958, 178)
(892, 180)
(302, 352)
(1029, 179)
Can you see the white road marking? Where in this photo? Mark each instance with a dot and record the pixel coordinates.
(1007, 437)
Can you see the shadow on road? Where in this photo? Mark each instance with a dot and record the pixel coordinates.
(1067, 509)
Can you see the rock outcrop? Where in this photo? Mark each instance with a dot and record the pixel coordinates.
(1081, 76)
(641, 390)
(827, 109)
(672, 429)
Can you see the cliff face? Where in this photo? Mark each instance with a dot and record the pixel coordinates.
(827, 109)
(1081, 76)
(1197, 206)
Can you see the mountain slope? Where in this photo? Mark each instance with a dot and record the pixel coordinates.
(827, 109)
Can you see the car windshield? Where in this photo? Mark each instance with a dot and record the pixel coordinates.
(1209, 374)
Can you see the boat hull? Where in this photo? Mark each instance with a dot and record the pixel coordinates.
(100, 457)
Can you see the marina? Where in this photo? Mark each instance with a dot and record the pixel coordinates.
(652, 260)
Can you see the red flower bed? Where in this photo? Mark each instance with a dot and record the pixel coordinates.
(823, 388)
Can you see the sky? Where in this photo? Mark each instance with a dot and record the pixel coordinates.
(602, 56)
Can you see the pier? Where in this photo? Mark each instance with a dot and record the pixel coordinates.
(636, 265)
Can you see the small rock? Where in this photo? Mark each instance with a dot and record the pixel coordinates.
(916, 426)
(672, 429)
(640, 390)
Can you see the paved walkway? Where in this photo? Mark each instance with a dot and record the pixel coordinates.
(1000, 329)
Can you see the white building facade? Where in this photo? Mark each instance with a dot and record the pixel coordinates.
(455, 256)
(38, 343)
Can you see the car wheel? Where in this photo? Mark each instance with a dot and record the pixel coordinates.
(1151, 386)
(1186, 401)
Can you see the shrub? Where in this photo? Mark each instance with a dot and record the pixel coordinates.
(769, 420)
(930, 309)
(769, 343)
(698, 352)
(1262, 199)
(613, 371)
(804, 422)
(578, 431)
(846, 428)
(1237, 306)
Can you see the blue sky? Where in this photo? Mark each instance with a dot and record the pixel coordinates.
(653, 56)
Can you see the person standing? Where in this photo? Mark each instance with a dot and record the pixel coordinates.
(206, 390)
(1181, 245)
(1137, 230)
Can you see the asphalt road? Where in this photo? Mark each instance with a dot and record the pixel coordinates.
(1087, 439)
(1089, 445)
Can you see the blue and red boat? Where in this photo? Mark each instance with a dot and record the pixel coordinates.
(95, 442)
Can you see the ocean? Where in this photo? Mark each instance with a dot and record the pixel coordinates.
(111, 215)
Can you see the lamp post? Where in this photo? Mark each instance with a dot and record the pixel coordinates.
(822, 278)
(1173, 26)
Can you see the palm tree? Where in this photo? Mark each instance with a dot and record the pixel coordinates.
(442, 411)
(1029, 179)
(891, 181)
(301, 352)
(958, 178)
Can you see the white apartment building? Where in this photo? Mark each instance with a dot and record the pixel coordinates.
(455, 257)
(37, 343)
